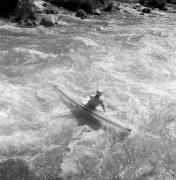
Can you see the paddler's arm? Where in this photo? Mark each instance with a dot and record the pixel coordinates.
(103, 106)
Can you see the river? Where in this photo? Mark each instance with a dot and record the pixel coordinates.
(131, 57)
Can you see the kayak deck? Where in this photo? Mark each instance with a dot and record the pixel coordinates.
(80, 110)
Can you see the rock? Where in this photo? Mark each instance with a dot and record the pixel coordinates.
(47, 20)
(50, 9)
(138, 7)
(97, 12)
(117, 7)
(108, 7)
(146, 10)
(81, 13)
(99, 28)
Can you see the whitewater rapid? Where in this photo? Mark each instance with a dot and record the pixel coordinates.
(132, 58)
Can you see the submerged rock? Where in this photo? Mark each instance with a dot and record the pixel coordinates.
(47, 20)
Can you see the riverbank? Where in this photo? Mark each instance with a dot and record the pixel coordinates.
(49, 13)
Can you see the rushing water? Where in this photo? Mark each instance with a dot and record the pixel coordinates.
(132, 58)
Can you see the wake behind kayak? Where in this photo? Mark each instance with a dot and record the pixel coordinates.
(95, 118)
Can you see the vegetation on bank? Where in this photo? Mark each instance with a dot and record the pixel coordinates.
(27, 13)
(154, 3)
(88, 6)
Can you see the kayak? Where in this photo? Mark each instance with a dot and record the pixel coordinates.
(79, 110)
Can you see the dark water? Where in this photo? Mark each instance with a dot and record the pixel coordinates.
(132, 58)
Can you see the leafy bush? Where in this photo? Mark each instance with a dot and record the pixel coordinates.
(7, 6)
(87, 5)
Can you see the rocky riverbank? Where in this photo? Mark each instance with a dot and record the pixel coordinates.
(47, 13)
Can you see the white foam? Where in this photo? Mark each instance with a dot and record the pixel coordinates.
(34, 52)
(86, 41)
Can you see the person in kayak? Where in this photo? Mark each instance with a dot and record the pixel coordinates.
(95, 101)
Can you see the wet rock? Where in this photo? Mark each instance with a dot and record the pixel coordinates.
(146, 10)
(126, 11)
(47, 20)
(81, 13)
(138, 7)
(50, 9)
(97, 12)
(100, 28)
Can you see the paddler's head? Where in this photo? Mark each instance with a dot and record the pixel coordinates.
(98, 93)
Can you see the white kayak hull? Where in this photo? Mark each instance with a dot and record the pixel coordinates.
(93, 117)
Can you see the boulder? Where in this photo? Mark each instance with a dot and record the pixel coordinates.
(146, 10)
(81, 13)
(138, 7)
(47, 20)
(97, 12)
